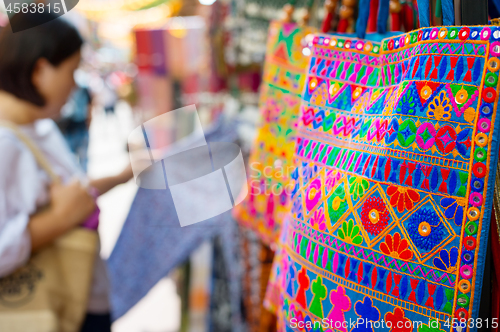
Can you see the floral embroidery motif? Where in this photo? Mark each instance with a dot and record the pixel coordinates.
(408, 104)
(357, 186)
(425, 229)
(337, 204)
(318, 219)
(368, 312)
(396, 247)
(332, 178)
(374, 215)
(440, 107)
(402, 198)
(447, 260)
(397, 321)
(350, 233)
(313, 194)
(342, 304)
(454, 209)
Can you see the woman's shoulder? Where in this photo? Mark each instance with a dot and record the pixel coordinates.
(36, 131)
(10, 143)
(9, 140)
(14, 154)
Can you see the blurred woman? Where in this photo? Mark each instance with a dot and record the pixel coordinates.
(36, 79)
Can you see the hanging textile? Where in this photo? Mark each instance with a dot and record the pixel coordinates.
(274, 286)
(397, 150)
(270, 163)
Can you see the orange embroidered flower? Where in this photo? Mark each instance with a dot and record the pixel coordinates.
(396, 247)
(402, 197)
(440, 107)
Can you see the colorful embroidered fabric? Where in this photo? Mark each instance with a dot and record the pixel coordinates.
(270, 163)
(396, 154)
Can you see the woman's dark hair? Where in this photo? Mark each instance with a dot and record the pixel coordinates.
(55, 41)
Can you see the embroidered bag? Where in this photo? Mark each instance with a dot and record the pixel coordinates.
(396, 153)
(271, 160)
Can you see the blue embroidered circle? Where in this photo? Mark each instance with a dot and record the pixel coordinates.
(434, 235)
(477, 185)
(486, 110)
(467, 257)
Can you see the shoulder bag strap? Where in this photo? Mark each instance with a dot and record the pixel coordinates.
(39, 157)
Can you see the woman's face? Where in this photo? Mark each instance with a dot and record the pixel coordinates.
(54, 83)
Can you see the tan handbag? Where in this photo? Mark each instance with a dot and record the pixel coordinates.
(50, 293)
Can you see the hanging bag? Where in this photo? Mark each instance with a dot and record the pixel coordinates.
(274, 285)
(271, 160)
(397, 147)
(49, 293)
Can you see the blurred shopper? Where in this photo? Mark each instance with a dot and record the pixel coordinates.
(108, 97)
(36, 79)
(75, 121)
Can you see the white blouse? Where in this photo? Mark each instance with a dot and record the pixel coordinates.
(24, 188)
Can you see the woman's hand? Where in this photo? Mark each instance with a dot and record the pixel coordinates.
(70, 206)
(72, 201)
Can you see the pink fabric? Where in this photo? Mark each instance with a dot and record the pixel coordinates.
(93, 221)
